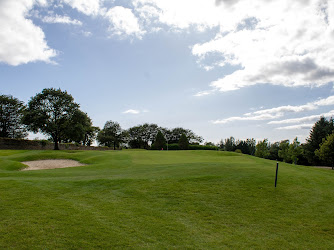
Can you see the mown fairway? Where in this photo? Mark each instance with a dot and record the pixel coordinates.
(160, 199)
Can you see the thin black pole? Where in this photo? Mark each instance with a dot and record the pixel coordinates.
(276, 174)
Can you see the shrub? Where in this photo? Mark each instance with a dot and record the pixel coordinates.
(238, 151)
(173, 146)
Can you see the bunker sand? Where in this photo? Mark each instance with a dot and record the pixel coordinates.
(51, 164)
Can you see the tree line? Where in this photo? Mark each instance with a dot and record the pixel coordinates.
(54, 113)
(316, 151)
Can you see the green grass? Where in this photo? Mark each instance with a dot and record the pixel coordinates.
(160, 199)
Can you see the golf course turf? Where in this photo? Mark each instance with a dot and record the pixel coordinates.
(163, 199)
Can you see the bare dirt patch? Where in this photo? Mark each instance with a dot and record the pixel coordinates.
(51, 164)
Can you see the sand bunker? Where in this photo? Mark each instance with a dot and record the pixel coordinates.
(51, 164)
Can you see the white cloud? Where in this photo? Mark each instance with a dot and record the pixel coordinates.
(131, 111)
(42, 2)
(87, 33)
(277, 42)
(246, 118)
(284, 109)
(277, 112)
(304, 119)
(88, 7)
(61, 19)
(325, 102)
(123, 22)
(284, 43)
(179, 14)
(20, 40)
(296, 127)
(203, 93)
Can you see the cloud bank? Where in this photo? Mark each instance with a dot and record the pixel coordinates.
(20, 40)
(278, 112)
(276, 42)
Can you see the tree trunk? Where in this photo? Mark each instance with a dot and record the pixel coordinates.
(56, 145)
(114, 145)
(55, 139)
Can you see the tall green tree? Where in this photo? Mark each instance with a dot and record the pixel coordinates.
(319, 131)
(174, 135)
(11, 113)
(183, 142)
(230, 144)
(80, 129)
(111, 135)
(49, 112)
(273, 151)
(295, 151)
(262, 149)
(284, 152)
(160, 141)
(135, 137)
(326, 150)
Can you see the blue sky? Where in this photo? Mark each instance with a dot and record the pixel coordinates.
(221, 68)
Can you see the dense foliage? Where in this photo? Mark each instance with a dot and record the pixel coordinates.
(326, 151)
(11, 112)
(290, 152)
(53, 112)
(320, 131)
(160, 142)
(183, 142)
(111, 135)
(230, 144)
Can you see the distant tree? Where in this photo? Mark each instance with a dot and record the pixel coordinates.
(160, 141)
(90, 135)
(284, 152)
(326, 151)
(148, 133)
(230, 144)
(80, 129)
(251, 144)
(319, 131)
(176, 133)
(111, 135)
(262, 149)
(246, 147)
(273, 151)
(183, 142)
(11, 113)
(221, 144)
(295, 151)
(209, 144)
(135, 137)
(49, 112)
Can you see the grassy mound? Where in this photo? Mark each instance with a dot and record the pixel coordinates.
(160, 199)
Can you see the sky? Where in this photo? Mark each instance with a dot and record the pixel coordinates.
(249, 69)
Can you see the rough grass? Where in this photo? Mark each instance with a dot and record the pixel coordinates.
(160, 199)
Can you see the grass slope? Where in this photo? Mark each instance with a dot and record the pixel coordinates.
(160, 199)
